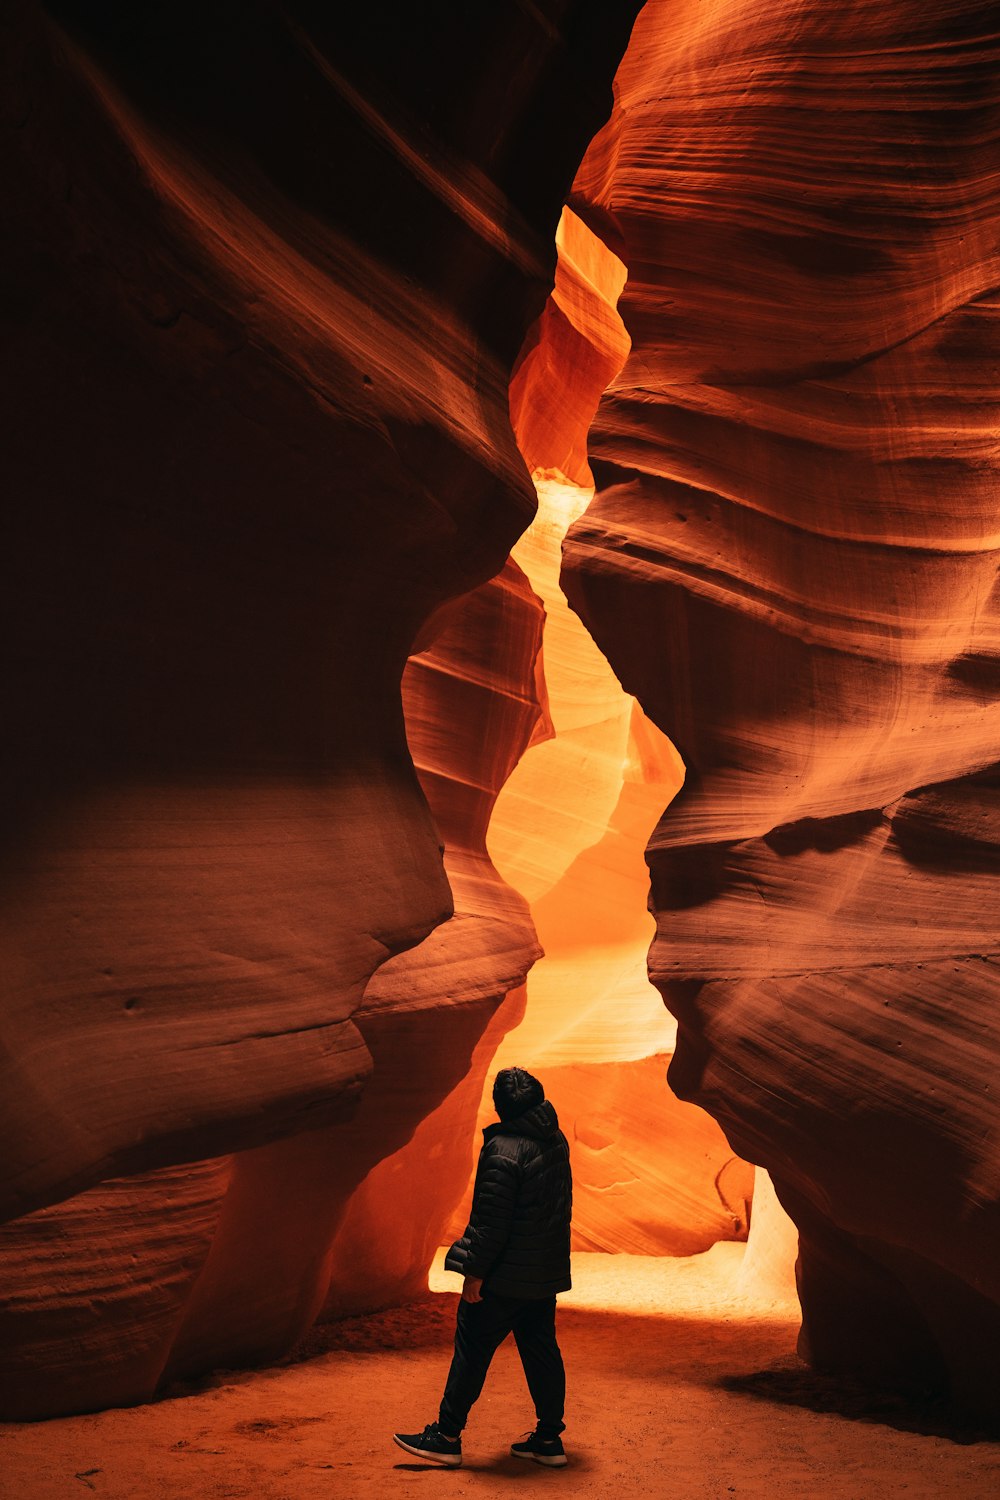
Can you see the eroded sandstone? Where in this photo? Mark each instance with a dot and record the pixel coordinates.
(270, 280)
(792, 562)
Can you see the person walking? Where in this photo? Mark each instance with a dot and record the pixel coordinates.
(515, 1258)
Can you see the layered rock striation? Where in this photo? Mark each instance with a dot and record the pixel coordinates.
(651, 1174)
(792, 562)
(146, 1279)
(267, 278)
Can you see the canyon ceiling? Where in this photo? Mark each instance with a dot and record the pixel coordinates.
(285, 338)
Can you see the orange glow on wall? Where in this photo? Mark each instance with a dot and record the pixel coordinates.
(569, 829)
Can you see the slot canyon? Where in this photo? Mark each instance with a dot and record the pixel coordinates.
(503, 524)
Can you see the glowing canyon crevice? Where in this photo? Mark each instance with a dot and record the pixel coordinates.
(287, 335)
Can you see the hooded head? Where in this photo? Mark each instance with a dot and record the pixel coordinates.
(515, 1091)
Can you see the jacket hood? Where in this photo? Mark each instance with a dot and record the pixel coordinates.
(539, 1123)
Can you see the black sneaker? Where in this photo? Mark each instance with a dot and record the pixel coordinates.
(431, 1446)
(548, 1451)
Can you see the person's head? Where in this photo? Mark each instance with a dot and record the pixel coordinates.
(515, 1091)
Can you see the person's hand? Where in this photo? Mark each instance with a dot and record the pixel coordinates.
(472, 1291)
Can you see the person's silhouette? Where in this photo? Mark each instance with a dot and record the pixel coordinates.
(515, 1258)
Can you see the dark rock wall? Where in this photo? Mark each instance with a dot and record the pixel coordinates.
(267, 272)
(267, 268)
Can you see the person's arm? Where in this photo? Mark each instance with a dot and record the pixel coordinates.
(492, 1214)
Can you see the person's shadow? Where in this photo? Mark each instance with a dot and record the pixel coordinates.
(503, 1463)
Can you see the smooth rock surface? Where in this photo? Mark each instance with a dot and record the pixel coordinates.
(257, 390)
(267, 278)
(651, 1174)
(792, 562)
(138, 1282)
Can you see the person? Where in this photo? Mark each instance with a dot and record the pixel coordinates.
(514, 1256)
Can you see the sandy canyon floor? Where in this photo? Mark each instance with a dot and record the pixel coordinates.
(679, 1388)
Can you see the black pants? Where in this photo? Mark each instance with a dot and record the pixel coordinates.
(481, 1329)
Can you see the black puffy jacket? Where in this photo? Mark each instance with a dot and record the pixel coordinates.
(517, 1239)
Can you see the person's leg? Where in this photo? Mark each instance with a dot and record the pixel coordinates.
(480, 1329)
(535, 1335)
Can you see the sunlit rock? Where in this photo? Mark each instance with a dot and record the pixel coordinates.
(569, 829)
(571, 355)
(569, 832)
(792, 563)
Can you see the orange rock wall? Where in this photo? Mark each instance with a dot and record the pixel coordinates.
(569, 830)
(142, 1280)
(792, 562)
(651, 1174)
(267, 285)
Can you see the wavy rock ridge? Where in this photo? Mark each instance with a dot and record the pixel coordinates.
(792, 562)
(268, 286)
(270, 278)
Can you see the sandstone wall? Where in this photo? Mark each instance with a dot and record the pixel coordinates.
(267, 270)
(792, 562)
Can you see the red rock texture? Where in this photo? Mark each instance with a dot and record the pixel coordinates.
(571, 355)
(139, 1281)
(651, 1174)
(274, 345)
(792, 562)
(404, 1208)
(646, 1167)
(267, 277)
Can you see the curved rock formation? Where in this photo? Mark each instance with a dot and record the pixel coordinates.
(792, 563)
(268, 276)
(142, 1280)
(250, 331)
(651, 1174)
(646, 1167)
(571, 355)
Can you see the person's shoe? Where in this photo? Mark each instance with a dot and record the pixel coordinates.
(431, 1446)
(548, 1451)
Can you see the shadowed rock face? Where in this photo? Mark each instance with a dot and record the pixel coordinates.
(792, 562)
(142, 1280)
(269, 277)
(268, 270)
